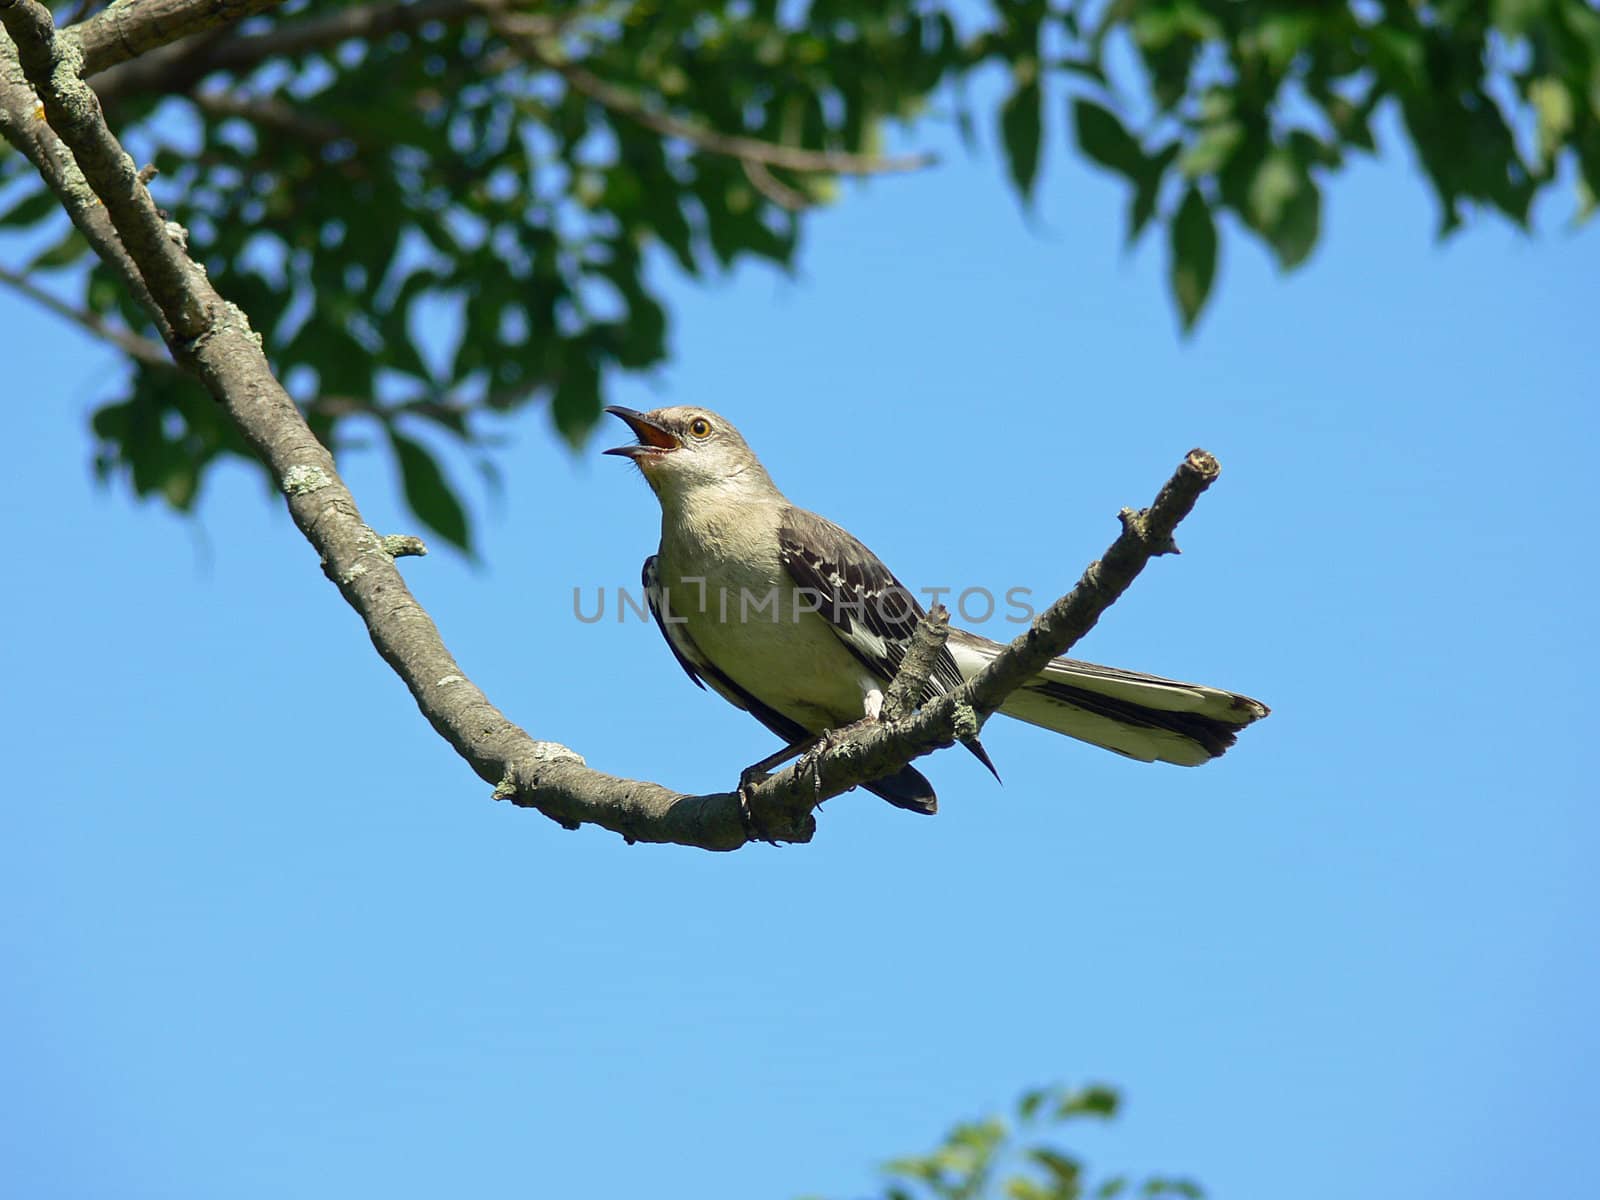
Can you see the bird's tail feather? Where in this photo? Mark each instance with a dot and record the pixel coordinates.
(1137, 715)
(907, 788)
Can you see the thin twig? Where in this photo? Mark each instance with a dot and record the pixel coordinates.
(274, 113)
(773, 188)
(151, 353)
(911, 680)
(176, 67)
(80, 10)
(366, 22)
(443, 408)
(747, 149)
(129, 28)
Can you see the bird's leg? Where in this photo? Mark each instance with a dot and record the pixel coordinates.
(766, 765)
(811, 757)
(809, 752)
(756, 773)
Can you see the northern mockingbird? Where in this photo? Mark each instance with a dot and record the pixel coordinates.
(784, 614)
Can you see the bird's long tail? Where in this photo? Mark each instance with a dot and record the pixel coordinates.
(1141, 716)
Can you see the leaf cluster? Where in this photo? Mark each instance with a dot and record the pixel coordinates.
(461, 212)
(1021, 1157)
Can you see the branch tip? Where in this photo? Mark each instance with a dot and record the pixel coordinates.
(403, 545)
(908, 688)
(1204, 464)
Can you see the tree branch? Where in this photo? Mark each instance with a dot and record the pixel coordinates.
(21, 125)
(213, 339)
(130, 28)
(177, 67)
(366, 22)
(73, 111)
(272, 113)
(749, 150)
(773, 188)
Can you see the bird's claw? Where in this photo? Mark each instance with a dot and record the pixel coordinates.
(749, 779)
(811, 761)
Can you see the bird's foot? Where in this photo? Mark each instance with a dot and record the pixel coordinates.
(811, 761)
(749, 779)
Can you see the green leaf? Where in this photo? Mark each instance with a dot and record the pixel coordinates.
(32, 208)
(1102, 137)
(62, 253)
(1274, 185)
(1067, 1171)
(1353, 122)
(1194, 257)
(1147, 192)
(1282, 35)
(103, 292)
(1157, 1185)
(1311, 151)
(1157, 25)
(1400, 57)
(1095, 1100)
(428, 492)
(979, 1136)
(1020, 126)
(1032, 1100)
(1299, 225)
(1513, 17)
(925, 1169)
(1553, 103)
(1210, 152)
(576, 403)
(182, 483)
(1088, 68)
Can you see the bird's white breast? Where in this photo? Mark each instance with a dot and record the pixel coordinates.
(745, 614)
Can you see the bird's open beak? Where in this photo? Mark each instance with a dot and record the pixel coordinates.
(653, 439)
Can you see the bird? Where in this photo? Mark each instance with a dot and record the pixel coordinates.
(785, 614)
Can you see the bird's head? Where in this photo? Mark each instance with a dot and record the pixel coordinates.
(683, 449)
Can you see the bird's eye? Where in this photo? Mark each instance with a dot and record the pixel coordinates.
(700, 427)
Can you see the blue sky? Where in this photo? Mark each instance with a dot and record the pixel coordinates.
(265, 935)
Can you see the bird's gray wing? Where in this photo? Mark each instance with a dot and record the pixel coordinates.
(873, 613)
